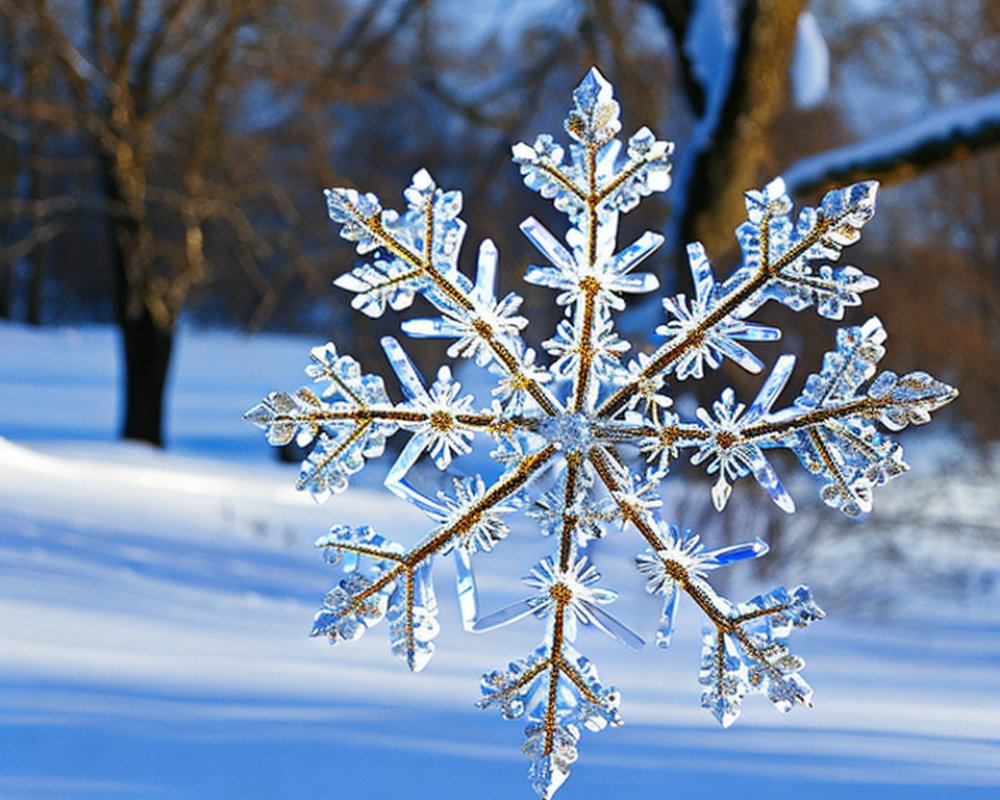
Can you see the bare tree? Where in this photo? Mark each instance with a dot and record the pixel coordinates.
(159, 94)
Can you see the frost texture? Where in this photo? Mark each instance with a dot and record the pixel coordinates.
(584, 441)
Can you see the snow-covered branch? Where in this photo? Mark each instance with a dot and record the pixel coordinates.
(940, 136)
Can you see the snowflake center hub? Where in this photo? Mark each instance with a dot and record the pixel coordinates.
(569, 432)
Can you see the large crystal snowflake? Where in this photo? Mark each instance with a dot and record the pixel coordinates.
(585, 441)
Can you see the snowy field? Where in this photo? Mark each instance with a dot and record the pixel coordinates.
(154, 611)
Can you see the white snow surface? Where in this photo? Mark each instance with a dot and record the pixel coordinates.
(155, 605)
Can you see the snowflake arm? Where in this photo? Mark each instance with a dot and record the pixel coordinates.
(592, 192)
(350, 420)
(361, 600)
(776, 254)
(556, 688)
(591, 179)
(831, 426)
(741, 653)
(422, 250)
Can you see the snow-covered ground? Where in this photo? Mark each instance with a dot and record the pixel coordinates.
(154, 611)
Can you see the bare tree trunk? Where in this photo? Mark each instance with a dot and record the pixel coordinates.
(8, 182)
(36, 258)
(147, 339)
(741, 142)
(36, 283)
(9, 165)
(147, 347)
(6, 289)
(7, 162)
(147, 344)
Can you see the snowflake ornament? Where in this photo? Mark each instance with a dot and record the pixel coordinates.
(584, 442)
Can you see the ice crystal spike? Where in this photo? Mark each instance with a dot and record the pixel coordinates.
(585, 439)
(594, 118)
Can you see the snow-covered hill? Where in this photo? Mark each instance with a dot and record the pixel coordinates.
(154, 611)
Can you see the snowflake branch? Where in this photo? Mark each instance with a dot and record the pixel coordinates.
(423, 267)
(411, 645)
(762, 662)
(690, 434)
(488, 423)
(525, 679)
(676, 435)
(720, 662)
(396, 280)
(597, 197)
(322, 368)
(866, 407)
(363, 550)
(577, 679)
(317, 467)
(829, 462)
(672, 351)
(435, 542)
(760, 612)
(553, 688)
(497, 492)
(601, 461)
(560, 177)
(377, 585)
